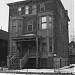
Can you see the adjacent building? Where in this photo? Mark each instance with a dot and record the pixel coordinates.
(3, 47)
(38, 34)
(72, 52)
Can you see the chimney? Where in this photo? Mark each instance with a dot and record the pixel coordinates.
(67, 12)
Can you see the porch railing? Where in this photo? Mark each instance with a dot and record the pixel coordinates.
(33, 54)
(24, 60)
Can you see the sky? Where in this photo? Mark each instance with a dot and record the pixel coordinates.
(4, 15)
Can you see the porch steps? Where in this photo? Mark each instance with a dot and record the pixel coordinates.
(15, 65)
(15, 62)
(24, 60)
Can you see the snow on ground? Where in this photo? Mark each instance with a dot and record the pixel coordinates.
(66, 69)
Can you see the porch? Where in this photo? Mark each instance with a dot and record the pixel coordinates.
(28, 47)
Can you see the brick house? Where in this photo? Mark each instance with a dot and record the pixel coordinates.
(3, 47)
(38, 34)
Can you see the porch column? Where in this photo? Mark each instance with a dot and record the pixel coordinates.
(19, 46)
(48, 60)
(48, 45)
(40, 50)
(36, 52)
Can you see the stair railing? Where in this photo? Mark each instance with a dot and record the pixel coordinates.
(12, 59)
(24, 60)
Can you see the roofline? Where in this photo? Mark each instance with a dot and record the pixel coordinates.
(14, 3)
(59, 1)
(4, 31)
(20, 2)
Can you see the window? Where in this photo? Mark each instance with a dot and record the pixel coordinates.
(44, 47)
(44, 22)
(26, 9)
(34, 9)
(50, 45)
(19, 11)
(50, 48)
(49, 21)
(42, 7)
(30, 25)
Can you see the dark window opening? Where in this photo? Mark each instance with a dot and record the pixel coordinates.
(50, 48)
(30, 25)
(42, 7)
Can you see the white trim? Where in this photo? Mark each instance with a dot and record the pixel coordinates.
(29, 35)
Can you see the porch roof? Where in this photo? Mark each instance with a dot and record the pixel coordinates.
(26, 37)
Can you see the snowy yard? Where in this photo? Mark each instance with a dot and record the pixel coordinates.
(66, 69)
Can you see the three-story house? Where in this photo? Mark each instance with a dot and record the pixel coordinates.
(38, 34)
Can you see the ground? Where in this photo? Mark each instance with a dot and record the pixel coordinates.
(67, 70)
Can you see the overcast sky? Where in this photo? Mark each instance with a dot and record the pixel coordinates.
(4, 12)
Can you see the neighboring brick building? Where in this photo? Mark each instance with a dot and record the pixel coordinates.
(72, 52)
(3, 47)
(38, 34)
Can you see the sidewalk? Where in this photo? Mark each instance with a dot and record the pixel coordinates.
(65, 70)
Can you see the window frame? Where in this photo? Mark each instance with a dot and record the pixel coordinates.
(44, 22)
(30, 24)
(34, 9)
(47, 22)
(42, 5)
(19, 11)
(26, 9)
